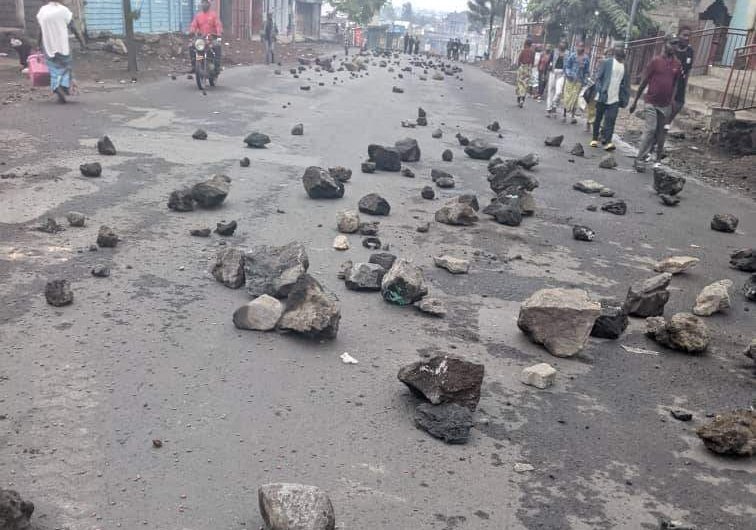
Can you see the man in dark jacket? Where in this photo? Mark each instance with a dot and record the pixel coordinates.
(612, 93)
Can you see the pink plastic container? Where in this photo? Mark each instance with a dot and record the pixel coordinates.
(38, 72)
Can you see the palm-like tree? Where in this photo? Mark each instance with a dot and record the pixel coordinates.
(483, 13)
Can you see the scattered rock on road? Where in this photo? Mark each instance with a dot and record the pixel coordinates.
(368, 167)
(431, 306)
(15, 512)
(409, 150)
(320, 184)
(438, 133)
(578, 150)
(311, 310)
(295, 507)
(385, 158)
(374, 204)
(261, 314)
(341, 242)
(404, 283)
(676, 264)
(244, 162)
(297, 130)
(560, 319)
(684, 332)
(647, 298)
(106, 237)
(732, 433)
(58, 293)
(452, 264)
(607, 162)
(211, 193)
(541, 375)
(100, 271)
(181, 200)
(447, 155)
(724, 222)
(200, 232)
(105, 146)
(588, 186)
(340, 173)
(494, 127)
(749, 288)
(348, 222)
(714, 298)
(448, 422)
(427, 193)
(554, 141)
(226, 228)
(445, 379)
(229, 267)
(456, 212)
(583, 233)
(669, 200)
(365, 277)
(480, 150)
(528, 161)
(615, 207)
(274, 270)
(612, 321)
(50, 226)
(257, 140)
(744, 260)
(91, 169)
(384, 259)
(667, 181)
(199, 134)
(76, 219)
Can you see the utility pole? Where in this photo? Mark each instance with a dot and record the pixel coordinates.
(630, 22)
(128, 24)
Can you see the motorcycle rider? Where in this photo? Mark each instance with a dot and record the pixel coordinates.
(205, 23)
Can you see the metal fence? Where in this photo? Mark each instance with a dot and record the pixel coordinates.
(740, 93)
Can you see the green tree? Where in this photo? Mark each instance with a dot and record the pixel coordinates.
(360, 11)
(483, 14)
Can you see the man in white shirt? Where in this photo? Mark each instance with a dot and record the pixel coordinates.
(54, 21)
(612, 93)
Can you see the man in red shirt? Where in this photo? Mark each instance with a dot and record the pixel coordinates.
(206, 23)
(661, 77)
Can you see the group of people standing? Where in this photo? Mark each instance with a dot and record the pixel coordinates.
(564, 76)
(456, 48)
(411, 44)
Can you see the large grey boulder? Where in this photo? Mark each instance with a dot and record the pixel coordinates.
(229, 267)
(374, 204)
(211, 193)
(480, 150)
(295, 507)
(365, 277)
(560, 319)
(409, 150)
(311, 311)
(404, 283)
(181, 200)
(449, 422)
(647, 298)
(320, 184)
(456, 212)
(445, 379)
(744, 260)
(684, 332)
(15, 512)
(385, 158)
(261, 314)
(732, 433)
(667, 181)
(274, 270)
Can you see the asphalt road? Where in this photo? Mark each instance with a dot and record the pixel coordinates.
(151, 352)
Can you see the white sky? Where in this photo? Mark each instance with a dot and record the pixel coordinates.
(435, 5)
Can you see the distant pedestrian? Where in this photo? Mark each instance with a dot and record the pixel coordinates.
(411, 45)
(555, 85)
(449, 49)
(346, 42)
(466, 50)
(534, 80)
(543, 70)
(524, 66)
(55, 20)
(270, 33)
(417, 45)
(406, 42)
(661, 77)
(576, 70)
(612, 92)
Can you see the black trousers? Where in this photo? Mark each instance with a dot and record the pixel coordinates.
(607, 114)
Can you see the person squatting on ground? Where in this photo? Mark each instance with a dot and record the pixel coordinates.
(612, 93)
(576, 69)
(661, 77)
(206, 23)
(524, 66)
(54, 20)
(555, 85)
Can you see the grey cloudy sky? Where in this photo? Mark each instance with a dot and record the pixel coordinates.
(435, 5)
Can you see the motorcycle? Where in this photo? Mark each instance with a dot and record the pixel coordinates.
(206, 67)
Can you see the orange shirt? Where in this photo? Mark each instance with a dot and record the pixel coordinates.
(206, 24)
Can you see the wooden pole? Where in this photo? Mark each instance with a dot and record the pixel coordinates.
(128, 24)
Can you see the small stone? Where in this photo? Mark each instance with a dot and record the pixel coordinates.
(92, 169)
(448, 422)
(669, 200)
(438, 133)
(341, 243)
(157, 444)
(667, 181)
(528, 161)
(340, 173)
(374, 204)
(100, 271)
(364, 277)
(427, 193)
(457, 213)
(445, 182)
(397, 90)
(480, 150)
(76, 219)
(200, 232)
(226, 229)
(612, 321)
(591, 207)
(608, 162)
(540, 375)
(606, 192)
(212, 192)
(583, 233)
(451, 264)
(384, 259)
(744, 260)
(297, 130)
(681, 415)
(588, 186)
(373, 243)
(106, 237)
(554, 141)
(431, 306)
(58, 293)
(724, 222)
(261, 314)
(257, 140)
(105, 146)
(714, 298)
(344, 269)
(404, 283)
(368, 167)
(494, 127)
(320, 184)
(369, 228)
(615, 207)
(181, 200)
(348, 222)
(749, 288)
(50, 226)
(423, 228)
(447, 155)
(732, 433)
(647, 298)
(407, 172)
(521, 467)
(676, 264)
(578, 150)
(385, 158)
(445, 379)
(199, 134)
(295, 507)
(244, 162)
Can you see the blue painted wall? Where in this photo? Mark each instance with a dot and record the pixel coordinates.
(158, 16)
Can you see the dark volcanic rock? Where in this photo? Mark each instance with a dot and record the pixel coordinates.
(528, 161)
(225, 229)
(578, 150)
(615, 207)
(449, 422)
(106, 237)
(427, 193)
(310, 310)
(445, 379)
(667, 181)
(554, 141)
(583, 233)
(647, 298)
(724, 222)
(15, 512)
(58, 293)
(409, 150)
(612, 322)
(749, 288)
(200, 232)
(494, 127)
(397, 90)
(407, 172)
(211, 193)
(510, 178)
(340, 173)
(374, 204)
(732, 433)
(257, 140)
(438, 133)
(297, 130)
(365, 277)
(105, 146)
(669, 200)
(181, 200)
(480, 150)
(447, 155)
(384, 259)
(445, 182)
(385, 158)
(50, 226)
(199, 134)
(368, 167)
(506, 209)
(320, 184)
(404, 283)
(470, 199)
(244, 162)
(91, 169)
(608, 162)
(274, 270)
(463, 140)
(422, 121)
(100, 271)
(744, 260)
(438, 174)
(371, 242)
(368, 228)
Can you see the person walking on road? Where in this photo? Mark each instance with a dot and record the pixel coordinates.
(555, 85)
(576, 70)
(612, 92)
(346, 42)
(524, 67)
(685, 54)
(417, 45)
(270, 32)
(55, 20)
(543, 70)
(406, 42)
(661, 77)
